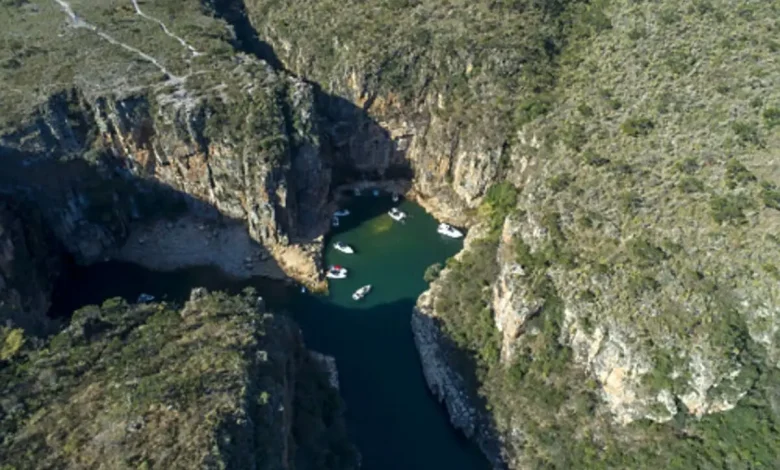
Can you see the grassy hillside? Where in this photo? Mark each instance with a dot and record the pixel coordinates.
(216, 383)
(650, 211)
(43, 52)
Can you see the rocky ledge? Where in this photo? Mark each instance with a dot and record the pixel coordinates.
(216, 383)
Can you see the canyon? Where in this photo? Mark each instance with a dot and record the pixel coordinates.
(624, 258)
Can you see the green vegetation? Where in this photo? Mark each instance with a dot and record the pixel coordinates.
(637, 126)
(123, 383)
(771, 117)
(432, 272)
(403, 52)
(11, 341)
(500, 200)
(465, 302)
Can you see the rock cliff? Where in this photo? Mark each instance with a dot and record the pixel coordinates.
(216, 383)
(445, 374)
(229, 136)
(29, 264)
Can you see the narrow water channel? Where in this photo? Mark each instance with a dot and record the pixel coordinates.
(395, 421)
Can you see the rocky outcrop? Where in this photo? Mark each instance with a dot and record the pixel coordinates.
(439, 359)
(513, 302)
(216, 384)
(328, 364)
(443, 381)
(254, 158)
(29, 263)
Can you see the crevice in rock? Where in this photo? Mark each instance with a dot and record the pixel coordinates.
(247, 40)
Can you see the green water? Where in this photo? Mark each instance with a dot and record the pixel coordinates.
(392, 417)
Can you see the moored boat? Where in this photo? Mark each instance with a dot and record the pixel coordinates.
(341, 213)
(334, 221)
(336, 272)
(449, 231)
(343, 247)
(396, 214)
(395, 197)
(362, 292)
(143, 298)
(376, 192)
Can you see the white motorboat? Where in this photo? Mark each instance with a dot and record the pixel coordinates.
(362, 292)
(336, 272)
(376, 192)
(341, 213)
(396, 197)
(334, 221)
(143, 298)
(397, 214)
(343, 247)
(449, 231)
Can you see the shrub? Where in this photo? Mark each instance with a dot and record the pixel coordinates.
(746, 132)
(500, 199)
(688, 165)
(532, 108)
(560, 182)
(574, 136)
(593, 159)
(770, 195)
(645, 253)
(737, 174)
(432, 272)
(629, 202)
(637, 126)
(585, 110)
(689, 184)
(729, 209)
(771, 117)
(13, 340)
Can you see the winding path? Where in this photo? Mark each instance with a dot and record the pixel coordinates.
(80, 23)
(165, 29)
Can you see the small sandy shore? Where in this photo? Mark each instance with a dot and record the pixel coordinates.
(191, 241)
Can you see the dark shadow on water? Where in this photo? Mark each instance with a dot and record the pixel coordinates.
(91, 285)
(396, 422)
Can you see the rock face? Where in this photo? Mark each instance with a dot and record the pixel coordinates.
(442, 379)
(513, 304)
(29, 264)
(216, 384)
(438, 355)
(157, 155)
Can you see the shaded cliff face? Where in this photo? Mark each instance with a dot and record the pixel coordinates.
(443, 86)
(29, 264)
(216, 133)
(216, 383)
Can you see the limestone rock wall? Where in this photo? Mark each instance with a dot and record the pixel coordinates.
(249, 151)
